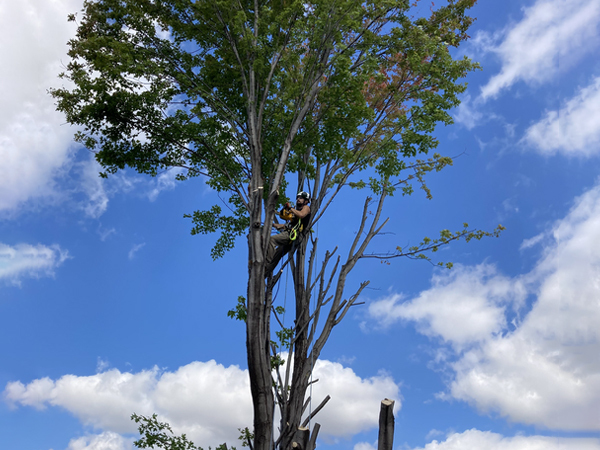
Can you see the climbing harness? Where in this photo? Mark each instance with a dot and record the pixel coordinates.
(295, 230)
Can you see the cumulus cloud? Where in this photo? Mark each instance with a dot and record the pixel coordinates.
(207, 401)
(547, 371)
(34, 144)
(25, 260)
(477, 440)
(544, 369)
(464, 306)
(551, 35)
(355, 402)
(572, 130)
(40, 163)
(104, 441)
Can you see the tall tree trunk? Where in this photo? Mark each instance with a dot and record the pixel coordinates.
(257, 342)
(258, 323)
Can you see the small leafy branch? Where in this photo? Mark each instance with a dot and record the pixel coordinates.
(157, 434)
(433, 245)
(246, 436)
(210, 221)
(239, 312)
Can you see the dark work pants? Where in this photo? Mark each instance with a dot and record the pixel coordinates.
(279, 245)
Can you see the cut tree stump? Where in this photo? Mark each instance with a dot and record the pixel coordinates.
(386, 425)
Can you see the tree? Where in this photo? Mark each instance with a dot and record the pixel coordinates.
(250, 94)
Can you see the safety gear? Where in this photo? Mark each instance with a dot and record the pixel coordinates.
(303, 195)
(295, 230)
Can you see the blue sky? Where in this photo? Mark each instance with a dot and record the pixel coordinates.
(108, 306)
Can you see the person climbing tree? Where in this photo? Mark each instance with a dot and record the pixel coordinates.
(297, 220)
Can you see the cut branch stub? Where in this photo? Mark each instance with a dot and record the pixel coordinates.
(312, 444)
(314, 413)
(300, 441)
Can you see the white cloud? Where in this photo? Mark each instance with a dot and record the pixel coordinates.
(553, 34)
(477, 440)
(463, 306)
(355, 402)
(433, 433)
(543, 370)
(25, 260)
(93, 187)
(547, 372)
(101, 365)
(207, 401)
(532, 242)
(104, 441)
(574, 129)
(34, 143)
(365, 446)
(164, 182)
(134, 250)
(468, 113)
(105, 233)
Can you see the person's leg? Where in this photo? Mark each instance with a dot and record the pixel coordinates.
(277, 248)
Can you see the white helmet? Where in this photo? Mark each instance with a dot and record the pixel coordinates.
(304, 195)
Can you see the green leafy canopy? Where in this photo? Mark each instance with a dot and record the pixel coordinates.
(234, 89)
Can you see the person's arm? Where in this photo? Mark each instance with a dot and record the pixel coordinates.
(279, 226)
(302, 213)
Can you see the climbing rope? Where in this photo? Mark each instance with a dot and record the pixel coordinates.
(312, 362)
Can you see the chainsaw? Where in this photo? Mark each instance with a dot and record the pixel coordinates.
(286, 212)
